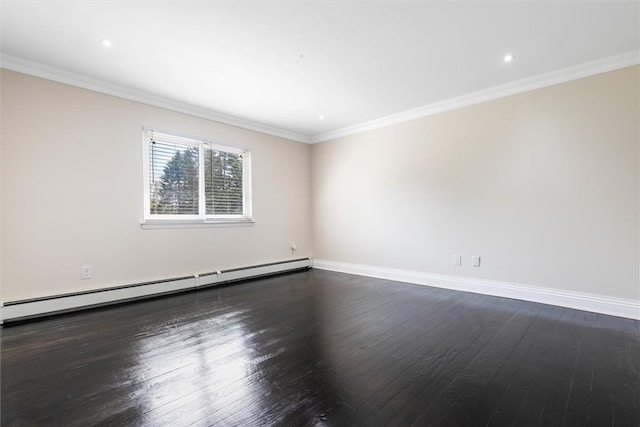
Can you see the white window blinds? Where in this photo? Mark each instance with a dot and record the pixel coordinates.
(194, 179)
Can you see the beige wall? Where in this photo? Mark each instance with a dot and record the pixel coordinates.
(543, 185)
(1, 197)
(72, 194)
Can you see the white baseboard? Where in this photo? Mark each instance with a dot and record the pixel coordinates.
(25, 309)
(581, 301)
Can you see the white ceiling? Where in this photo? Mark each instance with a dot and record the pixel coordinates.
(283, 64)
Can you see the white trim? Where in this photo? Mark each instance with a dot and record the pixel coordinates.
(527, 84)
(201, 219)
(173, 224)
(581, 301)
(247, 186)
(524, 85)
(73, 302)
(58, 75)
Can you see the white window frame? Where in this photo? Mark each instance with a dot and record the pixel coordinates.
(201, 219)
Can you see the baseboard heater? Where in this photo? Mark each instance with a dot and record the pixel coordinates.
(21, 310)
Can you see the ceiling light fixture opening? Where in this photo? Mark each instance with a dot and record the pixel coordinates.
(106, 43)
(320, 117)
(508, 58)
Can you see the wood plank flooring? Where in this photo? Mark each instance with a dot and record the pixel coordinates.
(322, 348)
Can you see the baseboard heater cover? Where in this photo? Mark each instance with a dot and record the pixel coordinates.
(20, 310)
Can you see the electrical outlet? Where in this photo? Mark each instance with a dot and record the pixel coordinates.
(457, 260)
(475, 261)
(293, 247)
(85, 272)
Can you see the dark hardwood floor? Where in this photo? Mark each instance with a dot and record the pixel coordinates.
(321, 348)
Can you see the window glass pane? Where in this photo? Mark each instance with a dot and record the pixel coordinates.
(223, 182)
(173, 180)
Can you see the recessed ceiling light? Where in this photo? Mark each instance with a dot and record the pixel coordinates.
(106, 43)
(320, 117)
(508, 57)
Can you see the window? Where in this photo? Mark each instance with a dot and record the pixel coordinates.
(189, 181)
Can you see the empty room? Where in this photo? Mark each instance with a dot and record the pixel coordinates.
(308, 213)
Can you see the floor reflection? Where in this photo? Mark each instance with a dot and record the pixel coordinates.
(254, 364)
(317, 348)
(197, 370)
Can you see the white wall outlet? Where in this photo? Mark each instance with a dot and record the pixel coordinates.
(475, 261)
(85, 272)
(293, 247)
(457, 260)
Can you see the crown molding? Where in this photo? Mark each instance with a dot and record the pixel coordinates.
(62, 76)
(524, 85)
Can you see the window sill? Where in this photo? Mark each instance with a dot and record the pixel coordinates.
(157, 224)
